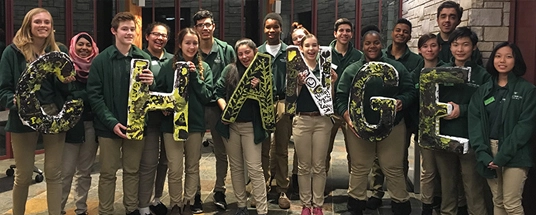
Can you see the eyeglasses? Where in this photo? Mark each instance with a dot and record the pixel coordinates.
(156, 34)
(206, 25)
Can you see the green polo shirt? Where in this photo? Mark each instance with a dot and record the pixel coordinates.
(409, 59)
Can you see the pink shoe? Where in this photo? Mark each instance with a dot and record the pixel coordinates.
(306, 211)
(318, 211)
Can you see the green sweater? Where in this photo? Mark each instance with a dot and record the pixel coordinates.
(108, 88)
(405, 90)
(250, 109)
(342, 61)
(461, 95)
(279, 68)
(409, 59)
(199, 94)
(518, 124)
(12, 65)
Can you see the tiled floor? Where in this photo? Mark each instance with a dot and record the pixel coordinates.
(334, 204)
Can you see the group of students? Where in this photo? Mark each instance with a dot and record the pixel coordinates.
(495, 112)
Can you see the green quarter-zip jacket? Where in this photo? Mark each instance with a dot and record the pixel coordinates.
(279, 68)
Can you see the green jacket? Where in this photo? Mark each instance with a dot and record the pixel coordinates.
(154, 118)
(340, 61)
(220, 56)
(108, 88)
(12, 65)
(412, 119)
(279, 68)
(519, 122)
(461, 95)
(259, 134)
(445, 54)
(405, 90)
(199, 94)
(409, 59)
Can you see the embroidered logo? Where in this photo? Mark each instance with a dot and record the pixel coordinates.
(516, 96)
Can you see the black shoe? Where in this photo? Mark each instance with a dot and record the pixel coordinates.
(197, 207)
(159, 209)
(176, 210)
(403, 208)
(436, 203)
(135, 212)
(427, 209)
(374, 203)
(462, 210)
(294, 183)
(355, 207)
(219, 200)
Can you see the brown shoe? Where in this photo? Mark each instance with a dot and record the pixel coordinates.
(284, 202)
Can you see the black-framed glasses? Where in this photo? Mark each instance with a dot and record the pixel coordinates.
(156, 34)
(206, 25)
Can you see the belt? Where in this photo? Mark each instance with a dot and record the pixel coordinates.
(315, 113)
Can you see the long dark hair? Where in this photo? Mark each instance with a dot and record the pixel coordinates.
(180, 38)
(519, 64)
(233, 75)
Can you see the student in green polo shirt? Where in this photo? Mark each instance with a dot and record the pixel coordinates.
(463, 42)
(200, 92)
(502, 122)
(388, 151)
(217, 54)
(108, 89)
(343, 53)
(153, 160)
(400, 52)
(276, 162)
(449, 15)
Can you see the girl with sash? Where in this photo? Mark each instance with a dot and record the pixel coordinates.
(243, 138)
(34, 38)
(200, 89)
(311, 132)
(389, 151)
(81, 146)
(430, 193)
(502, 122)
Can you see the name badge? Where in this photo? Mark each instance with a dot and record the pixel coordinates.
(489, 100)
(334, 67)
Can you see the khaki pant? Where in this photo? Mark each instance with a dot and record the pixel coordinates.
(24, 145)
(148, 165)
(213, 115)
(275, 158)
(507, 188)
(310, 137)
(114, 154)
(192, 155)
(161, 171)
(78, 159)
(450, 166)
(428, 176)
(338, 123)
(242, 150)
(175, 157)
(390, 154)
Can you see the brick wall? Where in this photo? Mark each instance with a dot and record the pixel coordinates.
(488, 18)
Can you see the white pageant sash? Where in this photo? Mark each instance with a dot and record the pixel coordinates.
(320, 90)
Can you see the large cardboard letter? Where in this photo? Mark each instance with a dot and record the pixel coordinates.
(29, 107)
(431, 110)
(141, 100)
(386, 106)
(263, 93)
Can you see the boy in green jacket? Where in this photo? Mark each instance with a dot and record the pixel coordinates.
(108, 92)
(463, 42)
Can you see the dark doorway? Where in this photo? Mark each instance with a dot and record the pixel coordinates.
(105, 11)
(305, 18)
(251, 21)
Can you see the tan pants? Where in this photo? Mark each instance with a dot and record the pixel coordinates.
(114, 154)
(78, 159)
(390, 153)
(212, 115)
(192, 154)
(450, 166)
(148, 165)
(175, 157)
(275, 158)
(507, 188)
(242, 150)
(161, 171)
(310, 138)
(24, 146)
(428, 176)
